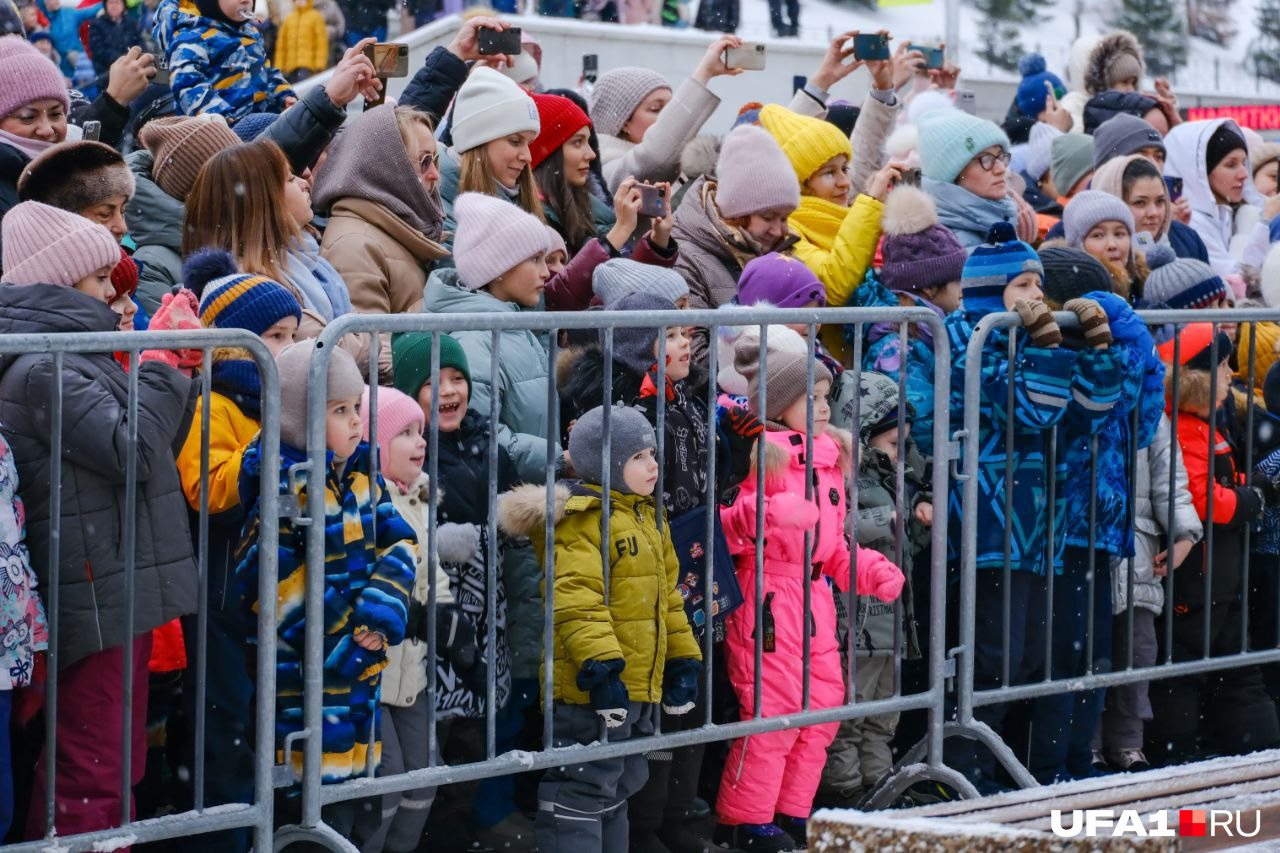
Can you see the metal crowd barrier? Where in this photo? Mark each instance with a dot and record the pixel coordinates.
(202, 818)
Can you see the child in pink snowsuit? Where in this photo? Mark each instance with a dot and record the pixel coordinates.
(778, 773)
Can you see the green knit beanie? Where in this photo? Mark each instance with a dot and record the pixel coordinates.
(411, 360)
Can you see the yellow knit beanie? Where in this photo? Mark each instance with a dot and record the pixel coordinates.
(807, 142)
(1264, 356)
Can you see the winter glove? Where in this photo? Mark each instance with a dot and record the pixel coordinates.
(456, 643)
(352, 662)
(790, 510)
(1126, 326)
(602, 680)
(740, 422)
(680, 685)
(877, 576)
(179, 312)
(457, 543)
(1097, 331)
(1039, 322)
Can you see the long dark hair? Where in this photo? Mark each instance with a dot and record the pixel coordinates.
(571, 204)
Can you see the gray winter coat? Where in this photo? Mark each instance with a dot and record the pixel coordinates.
(523, 372)
(95, 442)
(155, 224)
(1151, 513)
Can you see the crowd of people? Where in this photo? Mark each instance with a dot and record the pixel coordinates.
(1111, 453)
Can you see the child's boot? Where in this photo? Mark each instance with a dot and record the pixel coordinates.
(796, 827)
(754, 838)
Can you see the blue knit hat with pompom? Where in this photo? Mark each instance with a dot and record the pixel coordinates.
(1031, 95)
(991, 266)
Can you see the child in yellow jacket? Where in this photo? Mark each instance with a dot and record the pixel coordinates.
(303, 42)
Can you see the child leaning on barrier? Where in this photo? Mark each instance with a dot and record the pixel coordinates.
(619, 650)
(770, 779)
(1227, 711)
(368, 576)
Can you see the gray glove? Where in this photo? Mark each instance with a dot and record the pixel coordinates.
(457, 543)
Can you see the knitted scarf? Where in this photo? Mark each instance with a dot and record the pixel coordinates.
(237, 379)
(818, 221)
(968, 216)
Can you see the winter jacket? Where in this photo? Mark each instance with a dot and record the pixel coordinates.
(643, 622)
(1186, 243)
(64, 27)
(109, 40)
(785, 577)
(23, 628)
(155, 224)
(875, 122)
(1047, 383)
(405, 677)
(523, 372)
(657, 156)
(302, 41)
(304, 130)
(1151, 487)
(838, 244)
(968, 216)
(434, 84)
(230, 431)
(215, 67)
(570, 289)
(12, 162)
(1110, 103)
(95, 441)
(368, 576)
(1215, 223)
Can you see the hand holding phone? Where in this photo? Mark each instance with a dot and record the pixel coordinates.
(491, 42)
(653, 200)
(933, 56)
(1174, 186)
(872, 47)
(749, 57)
(590, 67)
(389, 59)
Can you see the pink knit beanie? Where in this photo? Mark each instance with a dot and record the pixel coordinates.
(493, 236)
(396, 410)
(27, 75)
(47, 245)
(754, 175)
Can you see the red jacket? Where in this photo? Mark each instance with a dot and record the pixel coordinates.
(1232, 502)
(570, 289)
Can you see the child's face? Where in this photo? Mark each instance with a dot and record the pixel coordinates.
(677, 353)
(794, 417)
(947, 296)
(342, 427)
(577, 158)
(125, 307)
(887, 442)
(406, 452)
(683, 302)
(31, 17)
(1109, 241)
(280, 335)
(1025, 286)
(44, 45)
(1224, 382)
(115, 8)
(556, 262)
(523, 284)
(640, 474)
(453, 399)
(831, 182)
(98, 285)
(236, 10)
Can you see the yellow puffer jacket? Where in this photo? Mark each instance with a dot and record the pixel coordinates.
(303, 41)
(230, 431)
(644, 622)
(839, 245)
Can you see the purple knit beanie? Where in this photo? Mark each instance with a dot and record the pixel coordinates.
(27, 75)
(917, 252)
(781, 281)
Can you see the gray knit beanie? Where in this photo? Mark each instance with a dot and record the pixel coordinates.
(634, 347)
(1121, 135)
(294, 363)
(617, 93)
(1181, 283)
(1089, 208)
(629, 433)
(619, 277)
(786, 371)
(877, 404)
(1070, 159)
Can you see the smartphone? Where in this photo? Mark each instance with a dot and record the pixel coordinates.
(798, 82)
(161, 77)
(933, 56)
(493, 42)
(871, 46)
(590, 67)
(91, 131)
(653, 200)
(389, 59)
(909, 178)
(967, 101)
(751, 56)
(1174, 185)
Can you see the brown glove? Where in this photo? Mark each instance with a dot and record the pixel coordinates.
(1093, 320)
(1039, 323)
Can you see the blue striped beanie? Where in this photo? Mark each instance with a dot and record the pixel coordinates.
(991, 266)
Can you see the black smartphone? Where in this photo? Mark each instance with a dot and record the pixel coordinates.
(798, 82)
(873, 46)
(389, 59)
(491, 42)
(653, 200)
(933, 56)
(590, 67)
(1174, 186)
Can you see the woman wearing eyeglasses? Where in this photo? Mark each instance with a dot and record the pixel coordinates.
(965, 166)
(380, 187)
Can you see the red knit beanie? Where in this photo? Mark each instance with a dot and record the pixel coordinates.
(124, 276)
(560, 119)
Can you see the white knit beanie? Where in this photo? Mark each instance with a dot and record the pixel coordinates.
(490, 106)
(47, 245)
(493, 236)
(618, 93)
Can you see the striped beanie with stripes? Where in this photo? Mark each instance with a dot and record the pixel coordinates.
(236, 300)
(991, 266)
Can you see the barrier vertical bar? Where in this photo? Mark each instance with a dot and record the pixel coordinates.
(807, 555)
(491, 559)
(851, 486)
(549, 547)
(759, 549)
(1175, 449)
(52, 612)
(1208, 497)
(202, 575)
(130, 579)
(268, 570)
(1006, 604)
(659, 508)
(1248, 481)
(900, 509)
(709, 591)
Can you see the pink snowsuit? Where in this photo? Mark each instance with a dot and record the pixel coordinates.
(779, 772)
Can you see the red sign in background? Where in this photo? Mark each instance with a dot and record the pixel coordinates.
(1255, 116)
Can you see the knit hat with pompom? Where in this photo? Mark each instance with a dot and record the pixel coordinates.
(918, 252)
(1180, 282)
(1032, 93)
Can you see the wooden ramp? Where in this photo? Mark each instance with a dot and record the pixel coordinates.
(1020, 820)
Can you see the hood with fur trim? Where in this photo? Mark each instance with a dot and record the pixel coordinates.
(1108, 47)
(777, 459)
(523, 510)
(699, 157)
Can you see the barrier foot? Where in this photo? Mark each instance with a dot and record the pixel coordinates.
(322, 834)
(972, 730)
(902, 777)
(981, 732)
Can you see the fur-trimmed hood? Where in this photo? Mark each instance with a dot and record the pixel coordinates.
(778, 457)
(1100, 59)
(523, 510)
(699, 157)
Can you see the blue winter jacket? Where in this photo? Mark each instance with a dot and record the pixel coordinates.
(64, 27)
(1047, 385)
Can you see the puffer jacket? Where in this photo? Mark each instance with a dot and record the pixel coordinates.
(303, 41)
(785, 577)
(215, 67)
(657, 156)
(368, 574)
(155, 224)
(523, 372)
(1151, 487)
(23, 627)
(643, 623)
(95, 395)
(405, 677)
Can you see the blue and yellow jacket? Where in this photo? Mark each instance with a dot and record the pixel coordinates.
(370, 557)
(215, 67)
